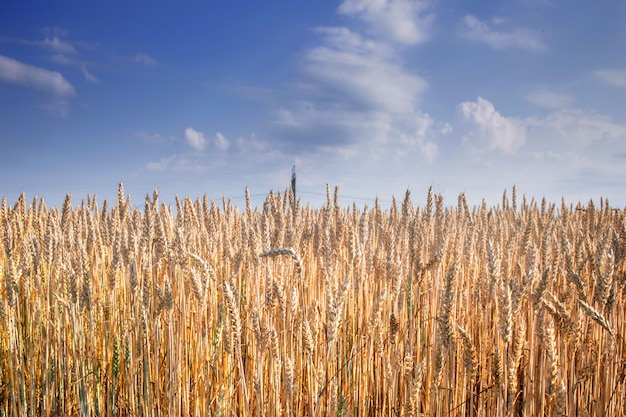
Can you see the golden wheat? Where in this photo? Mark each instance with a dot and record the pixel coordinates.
(205, 309)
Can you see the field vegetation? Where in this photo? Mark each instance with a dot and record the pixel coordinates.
(205, 309)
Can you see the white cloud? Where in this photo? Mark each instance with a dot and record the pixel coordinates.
(568, 146)
(89, 76)
(195, 139)
(519, 38)
(358, 101)
(144, 59)
(308, 127)
(549, 99)
(58, 45)
(221, 142)
(403, 21)
(366, 135)
(502, 133)
(346, 40)
(53, 42)
(15, 72)
(199, 142)
(616, 78)
(76, 63)
(446, 129)
(363, 71)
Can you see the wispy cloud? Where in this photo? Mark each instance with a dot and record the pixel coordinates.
(89, 76)
(195, 139)
(58, 45)
(78, 63)
(25, 75)
(403, 21)
(549, 99)
(305, 127)
(363, 71)
(502, 133)
(199, 142)
(357, 100)
(355, 134)
(517, 38)
(615, 77)
(51, 42)
(221, 142)
(144, 59)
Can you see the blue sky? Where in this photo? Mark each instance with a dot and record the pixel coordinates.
(375, 96)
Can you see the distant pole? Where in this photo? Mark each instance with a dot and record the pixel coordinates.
(293, 183)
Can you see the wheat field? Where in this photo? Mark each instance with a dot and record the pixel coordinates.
(284, 310)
